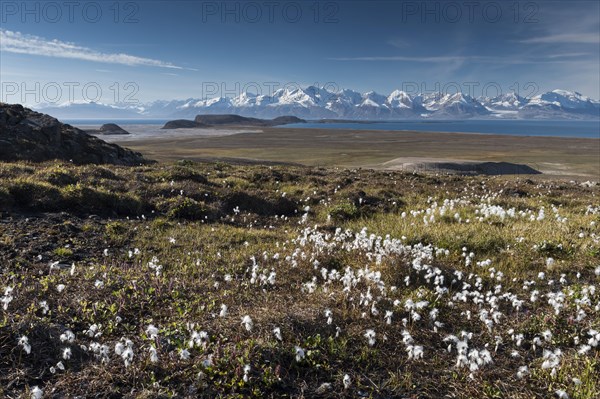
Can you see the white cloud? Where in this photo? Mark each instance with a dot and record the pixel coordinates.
(586, 38)
(568, 55)
(407, 58)
(16, 42)
(444, 59)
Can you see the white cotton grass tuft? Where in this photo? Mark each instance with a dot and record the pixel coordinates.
(7, 298)
(277, 333)
(561, 394)
(67, 336)
(388, 316)
(124, 348)
(199, 339)
(93, 331)
(44, 307)
(247, 323)
(67, 353)
(299, 353)
(37, 393)
(184, 354)
(153, 354)
(246, 376)
(370, 336)
(347, 381)
(155, 266)
(414, 352)
(101, 352)
(24, 342)
(522, 372)
(224, 311)
(152, 331)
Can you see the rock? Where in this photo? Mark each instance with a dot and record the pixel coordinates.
(26, 135)
(229, 120)
(237, 120)
(181, 124)
(286, 120)
(112, 128)
(108, 129)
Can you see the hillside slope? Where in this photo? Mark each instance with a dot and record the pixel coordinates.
(31, 136)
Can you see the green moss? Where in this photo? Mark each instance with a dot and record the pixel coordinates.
(32, 194)
(181, 173)
(183, 208)
(344, 211)
(63, 252)
(59, 176)
(115, 230)
(80, 198)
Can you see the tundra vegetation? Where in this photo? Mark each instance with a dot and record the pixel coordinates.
(213, 280)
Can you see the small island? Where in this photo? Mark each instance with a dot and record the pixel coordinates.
(108, 129)
(202, 121)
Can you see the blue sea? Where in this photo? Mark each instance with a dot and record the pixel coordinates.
(588, 129)
(562, 128)
(100, 122)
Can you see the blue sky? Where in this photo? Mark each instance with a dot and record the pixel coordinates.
(181, 49)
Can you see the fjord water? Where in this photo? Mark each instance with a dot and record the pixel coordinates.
(120, 122)
(586, 129)
(562, 128)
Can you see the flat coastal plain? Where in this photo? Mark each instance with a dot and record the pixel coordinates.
(395, 150)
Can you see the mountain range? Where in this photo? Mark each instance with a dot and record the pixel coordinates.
(318, 103)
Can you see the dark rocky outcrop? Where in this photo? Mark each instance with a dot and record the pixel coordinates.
(112, 128)
(108, 129)
(286, 120)
(181, 124)
(230, 120)
(237, 120)
(32, 136)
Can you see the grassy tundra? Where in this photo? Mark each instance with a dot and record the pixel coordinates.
(213, 280)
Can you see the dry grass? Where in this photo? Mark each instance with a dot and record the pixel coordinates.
(217, 232)
(554, 156)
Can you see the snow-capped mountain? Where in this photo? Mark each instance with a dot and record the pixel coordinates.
(400, 99)
(319, 103)
(452, 105)
(504, 102)
(558, 102)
